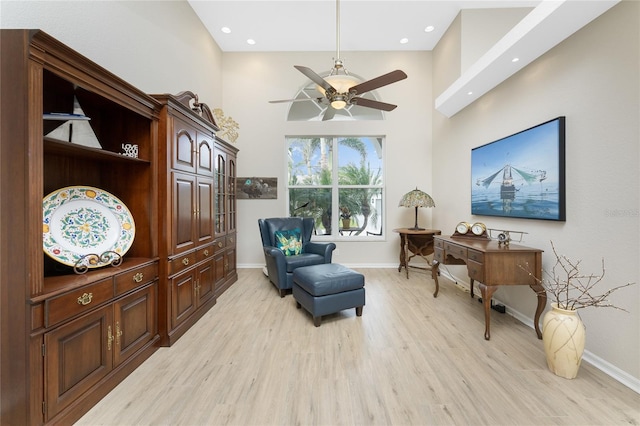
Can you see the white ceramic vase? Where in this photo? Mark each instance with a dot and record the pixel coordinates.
(563, 335)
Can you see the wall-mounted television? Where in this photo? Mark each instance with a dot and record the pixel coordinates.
(521, 175)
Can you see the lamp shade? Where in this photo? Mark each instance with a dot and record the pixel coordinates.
(416, 198)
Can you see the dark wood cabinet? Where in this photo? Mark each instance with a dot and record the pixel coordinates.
(83, 352)
(225, 215)
(195, 211)
(67, 338)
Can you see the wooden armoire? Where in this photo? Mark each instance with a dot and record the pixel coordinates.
(67, 337)
(197, 213)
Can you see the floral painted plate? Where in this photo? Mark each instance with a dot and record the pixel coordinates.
(85, 226)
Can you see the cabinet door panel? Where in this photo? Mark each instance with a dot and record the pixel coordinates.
(206, 282)
(205, 155)
(219, 268)
(183, 220)
(78, 355)
(184, 148)
(182, 297)
(205, 210)
(230, 262)
(135, 322)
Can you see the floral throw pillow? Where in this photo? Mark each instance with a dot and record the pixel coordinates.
(290, 241)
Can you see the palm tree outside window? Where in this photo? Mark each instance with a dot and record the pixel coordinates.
(337, 180)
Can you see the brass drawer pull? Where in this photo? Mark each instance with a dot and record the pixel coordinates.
(138, 277)
(220, 244)
(206, 252)
(85, 299)
(185, 261)
(231, 240)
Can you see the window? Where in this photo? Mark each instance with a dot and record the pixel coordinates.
(339, 182)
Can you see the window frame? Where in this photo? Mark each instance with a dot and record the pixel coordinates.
(335, 187)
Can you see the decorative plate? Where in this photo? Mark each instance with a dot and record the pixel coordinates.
(86, 226)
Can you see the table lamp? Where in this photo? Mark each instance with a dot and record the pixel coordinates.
(416, 198)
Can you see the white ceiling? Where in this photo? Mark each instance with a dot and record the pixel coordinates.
(310, 25)
(378, 25)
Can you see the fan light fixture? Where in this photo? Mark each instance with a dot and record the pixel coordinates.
(416, 198)
(340, 89)
(342, 83)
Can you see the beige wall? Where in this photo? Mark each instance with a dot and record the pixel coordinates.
(251, 80)
(592, 78)
(158, 46)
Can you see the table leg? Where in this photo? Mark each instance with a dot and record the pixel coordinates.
(542, 302)
(401, 252)
(406, 254)
(435, 271)
(487, 292)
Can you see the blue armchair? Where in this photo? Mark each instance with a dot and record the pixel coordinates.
(280, 267)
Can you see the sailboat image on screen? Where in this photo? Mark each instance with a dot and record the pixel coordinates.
(521, 175)
(507, 188)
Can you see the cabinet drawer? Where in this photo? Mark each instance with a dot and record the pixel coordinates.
(476, 256)
(182, 262)
(77, 301)
(438, 243)
(136, 278)
(438, 254)
(456, 251)
(219, 244)
(205, 253)
(476, 270)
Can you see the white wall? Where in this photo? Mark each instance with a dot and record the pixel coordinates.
(158, 46)
(592, 78)
(252, 79)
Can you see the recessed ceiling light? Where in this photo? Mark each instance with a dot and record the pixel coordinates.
(469, 93)
(404, 40)
(429, 29)
(251, 41)
(225, 30)
(515, 59)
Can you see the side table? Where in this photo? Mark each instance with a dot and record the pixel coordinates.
(415, 243)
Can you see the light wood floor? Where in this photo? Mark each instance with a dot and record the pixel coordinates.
(255, 359)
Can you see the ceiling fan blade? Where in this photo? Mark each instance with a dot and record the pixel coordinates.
(292, 100)
(377, 82)
(370, 103)
(329, 113)
(314, 77)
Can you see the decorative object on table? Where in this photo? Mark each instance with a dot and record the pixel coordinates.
(345, 216)
(563, 332)
(504, 236)
(228, 126)
(86, 227)
(475, 230)
(416, 198)
(263, 188)
(130, 150)
(75, 129)
(522, 175)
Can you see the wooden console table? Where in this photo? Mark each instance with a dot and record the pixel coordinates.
(418, 242)
(492, 265)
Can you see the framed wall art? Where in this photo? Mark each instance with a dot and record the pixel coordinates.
(521, 175)
(258, 188)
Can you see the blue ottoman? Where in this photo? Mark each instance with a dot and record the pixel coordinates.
(326, 289)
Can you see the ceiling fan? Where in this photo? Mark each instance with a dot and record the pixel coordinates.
(340, 89)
